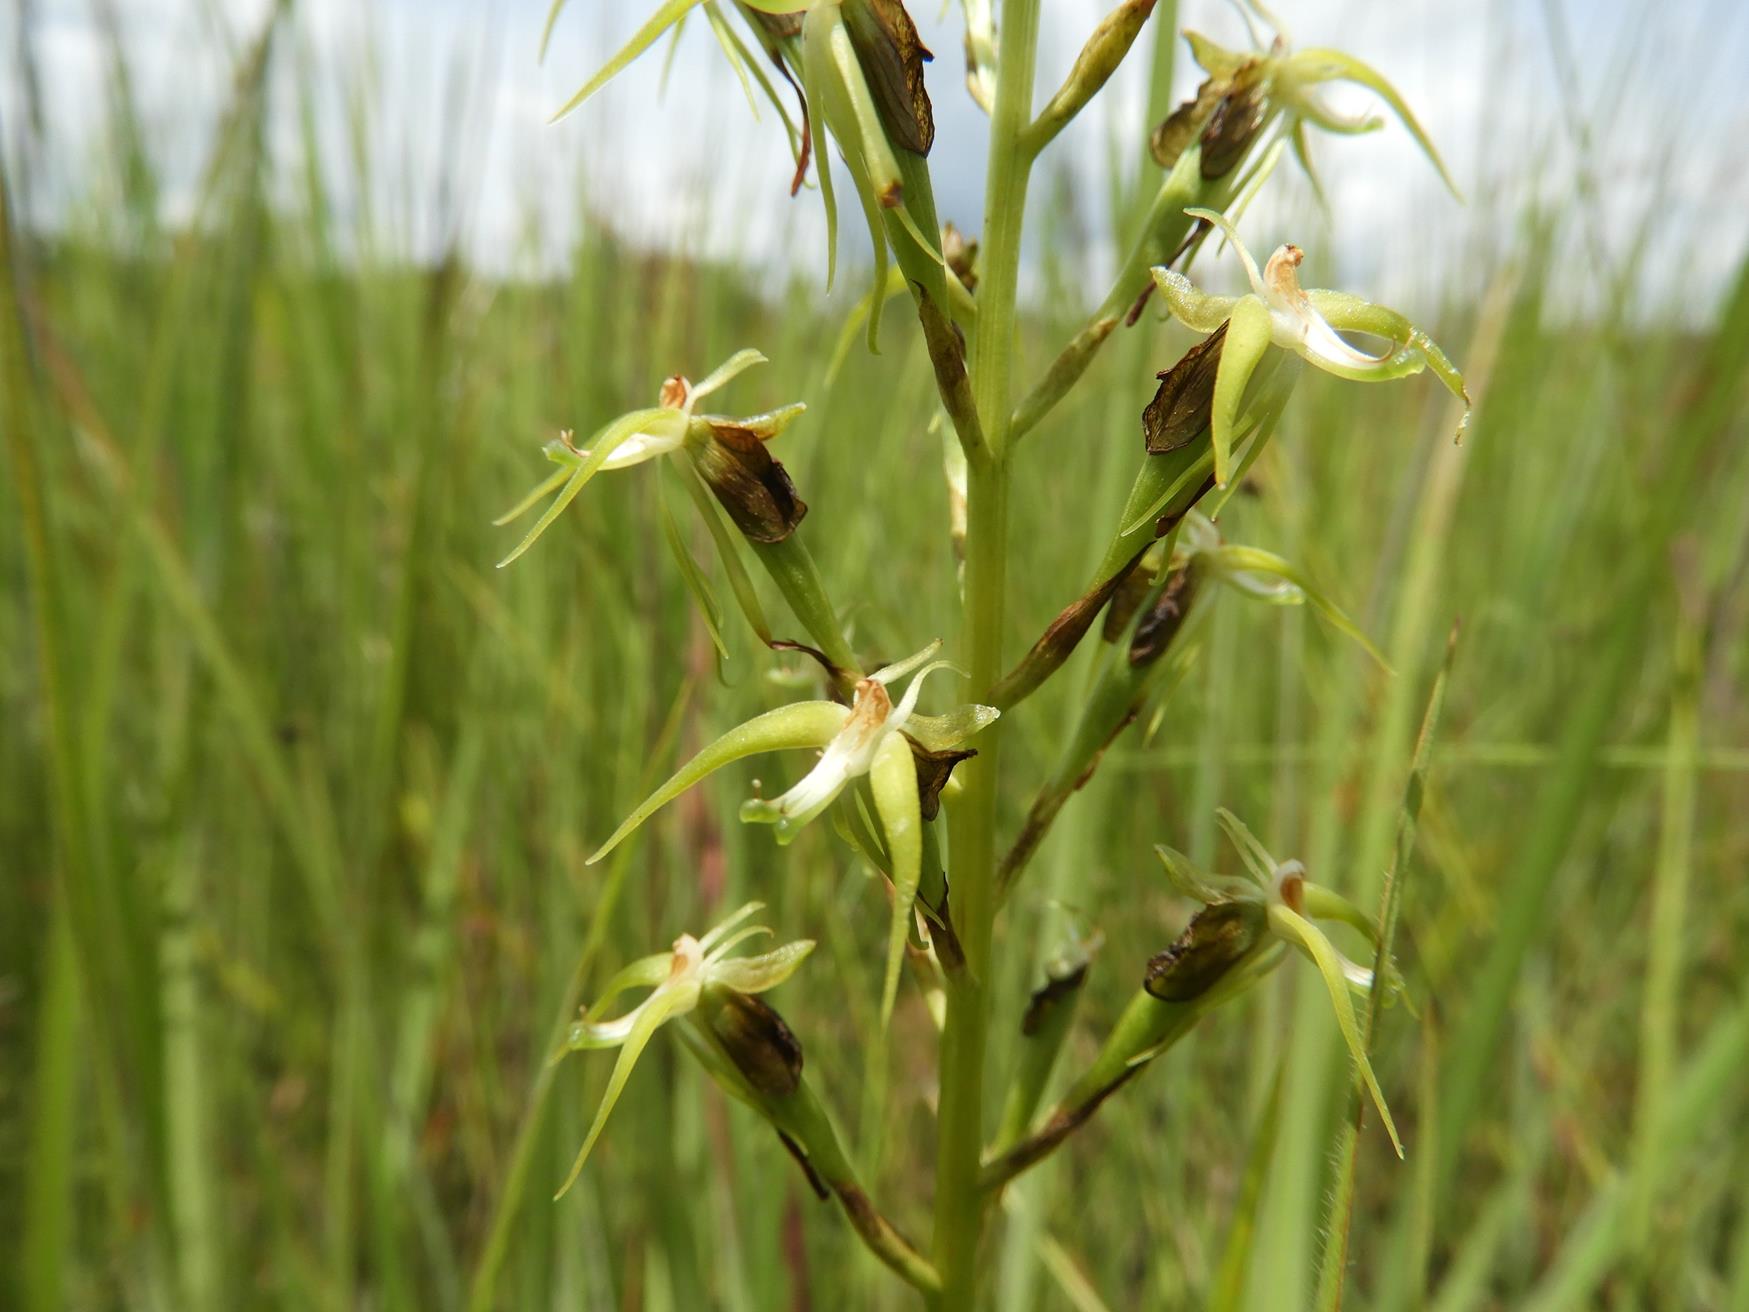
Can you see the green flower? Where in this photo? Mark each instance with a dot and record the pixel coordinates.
(1272, 906)
(875, 737)
(1278, 312)
(1246, 90)
(713, 442)
(677, 981)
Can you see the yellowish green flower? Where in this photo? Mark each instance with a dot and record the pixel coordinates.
(676, 980)
(875, 737)
(1288, 905)
(668, 428)
(1277, 312)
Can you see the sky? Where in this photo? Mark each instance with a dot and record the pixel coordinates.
(1640, 109)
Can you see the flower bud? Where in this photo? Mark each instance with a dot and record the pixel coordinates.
(961, 254)
(755, 1039)
(1217, 938)
(1098, 60)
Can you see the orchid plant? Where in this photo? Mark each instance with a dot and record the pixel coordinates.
(915, 792)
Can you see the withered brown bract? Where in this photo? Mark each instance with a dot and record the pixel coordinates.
(1181, 408)
(755, 489)
(1156, 629)
(892, 58)
(933, 772)
(1211, 944)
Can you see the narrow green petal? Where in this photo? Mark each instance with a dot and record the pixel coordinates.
(733, 51)
(1257, 858)
(546, 32)
(804, 724)
(1336, 64)
(644, 973)
(893, 780)
(766, 971)
(1250, 185)
(1248, 337)
(715, 934)
(1352, 314)
(666, 15)
(603, 445)
(854, 98)
(545, 488)
(1303, 153)
(1215, 60)
(1231, 233)
(1290, 924)
(814, 58)
(662, 1009)
(938, 733)
(887, 674)
(1193, 308)
(877, 238)
(739, 937)
(723, 374)
(1234, 558)
(1190, 881)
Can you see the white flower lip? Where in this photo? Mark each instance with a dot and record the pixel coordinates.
(1296, 324)
(851, 753)
(641, 446)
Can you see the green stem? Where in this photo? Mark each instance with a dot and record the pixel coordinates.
(959, 1204)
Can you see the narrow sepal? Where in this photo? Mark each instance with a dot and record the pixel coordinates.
(601, 447)
(651, 1018)
(1294, 927)
(804, 724)
(893, 781)
(1248, 337)
(666, 15)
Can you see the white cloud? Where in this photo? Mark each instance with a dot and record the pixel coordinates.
(451, 109)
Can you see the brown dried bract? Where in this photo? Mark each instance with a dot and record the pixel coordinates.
(933, 771)
(892, 59)
(1180, 410)
(1049, 995)
(1214, 941)
(1157, 628)
(752, 487)
(1230, 131)
(758, 1041)
(1184, 124)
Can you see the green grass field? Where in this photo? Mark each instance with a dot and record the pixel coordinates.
(298, 789)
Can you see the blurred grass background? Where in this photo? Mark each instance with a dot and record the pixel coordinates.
(297, 787)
